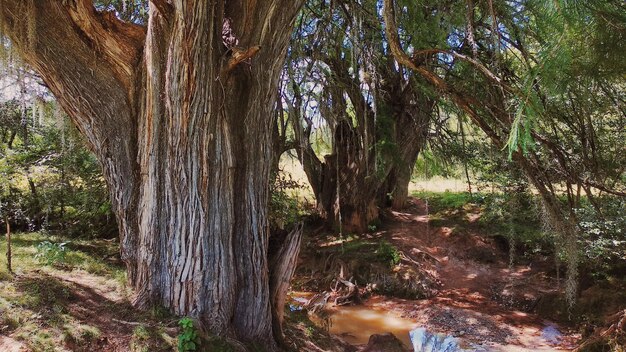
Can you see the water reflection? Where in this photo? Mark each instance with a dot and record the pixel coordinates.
(355, 324)
(425, 341)
(551, 334)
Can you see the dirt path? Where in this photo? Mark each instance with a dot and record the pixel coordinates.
(482, 299)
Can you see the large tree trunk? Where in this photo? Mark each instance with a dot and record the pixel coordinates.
(355, 204)
(183, 131)
(350, 185)
(346, 197)
(396, 192)
(412, 118)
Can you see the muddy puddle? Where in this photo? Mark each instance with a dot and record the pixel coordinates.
(355, 324)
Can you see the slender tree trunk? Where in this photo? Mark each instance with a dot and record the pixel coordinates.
(8, 236)
(11, 139)
(283, 259)
(182, 127)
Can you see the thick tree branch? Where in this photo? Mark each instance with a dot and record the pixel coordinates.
(88, 61)
(241, 55)
(120, 42)
(391, 30)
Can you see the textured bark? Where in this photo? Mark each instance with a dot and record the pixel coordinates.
(398, 184)
(283, 265)
(412, 111)
(350, 184)
(11, 139)
(8, 236)
(184, 138)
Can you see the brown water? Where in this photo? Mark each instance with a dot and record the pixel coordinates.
(355, 324)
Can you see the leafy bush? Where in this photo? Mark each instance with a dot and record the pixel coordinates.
(283, 208)
(603, 235)
(188, 339)
(48, 178)
(49, 253)
(516, 217)
(388, 253)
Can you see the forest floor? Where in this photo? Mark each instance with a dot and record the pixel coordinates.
(470, 290)
(434, 268)
(483, 298)
(78, 303)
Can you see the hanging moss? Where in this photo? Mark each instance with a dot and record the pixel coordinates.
(565, 238)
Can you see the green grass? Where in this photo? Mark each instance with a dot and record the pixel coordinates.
(448, 201)
(33, 311)
(88, 255)
(80, 334)
(36, 301)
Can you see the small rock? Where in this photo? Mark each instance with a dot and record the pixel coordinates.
(384, 343)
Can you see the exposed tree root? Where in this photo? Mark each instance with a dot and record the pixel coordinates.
(352, 295)
(615, 333)
(423, 254)
(317, 303)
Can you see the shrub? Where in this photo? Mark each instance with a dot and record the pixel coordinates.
(388, 253)
(49, 253)
(188, 338)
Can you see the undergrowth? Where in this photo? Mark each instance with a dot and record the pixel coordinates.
(42, 308)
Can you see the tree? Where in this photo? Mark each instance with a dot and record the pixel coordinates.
(341, 77)
(513, 71)
(178, 114)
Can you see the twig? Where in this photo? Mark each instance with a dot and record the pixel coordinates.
(134, 323)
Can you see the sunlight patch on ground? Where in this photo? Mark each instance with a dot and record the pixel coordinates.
(8, 344)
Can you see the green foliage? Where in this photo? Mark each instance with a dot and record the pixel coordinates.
(385, 147)
(48, 178)
(309, 331)
(388, 253)
(188, 339)
(135, 11)
(284, 209)
(139, 340)
(603, 235)
(431, 163)
(514, 215)
(49, 253)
